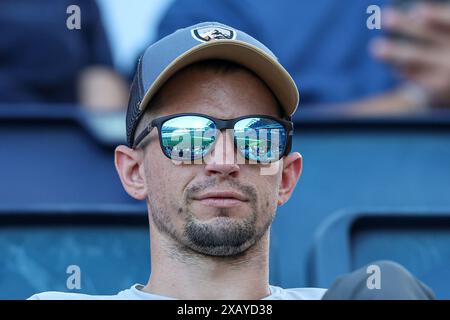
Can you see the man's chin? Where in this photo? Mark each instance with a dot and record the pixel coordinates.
(221, 251)
(220, 236)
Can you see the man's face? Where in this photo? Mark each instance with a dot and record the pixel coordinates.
(187, 202)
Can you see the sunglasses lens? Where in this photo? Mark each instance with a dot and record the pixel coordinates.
(187, 138)
(260, 139)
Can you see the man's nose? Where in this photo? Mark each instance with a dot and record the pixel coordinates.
(222, 158)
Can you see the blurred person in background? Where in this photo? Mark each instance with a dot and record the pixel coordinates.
(43, 61)
(336, 60)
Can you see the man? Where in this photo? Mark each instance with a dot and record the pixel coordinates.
(209, 138)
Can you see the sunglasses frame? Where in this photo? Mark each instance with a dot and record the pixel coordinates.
(220, 124)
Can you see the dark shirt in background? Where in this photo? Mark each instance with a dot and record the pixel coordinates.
(40, 58)
(324, 44)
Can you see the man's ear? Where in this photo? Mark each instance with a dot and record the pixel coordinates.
(130, 167)
(292, 169)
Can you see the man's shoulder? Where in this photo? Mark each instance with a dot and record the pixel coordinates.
(278, 293)
(56, 295)
(134, 293)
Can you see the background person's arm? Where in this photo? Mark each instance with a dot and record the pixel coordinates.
(422, 57)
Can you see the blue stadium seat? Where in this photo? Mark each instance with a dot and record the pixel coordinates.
(419, 239)
(109, 245)
(58, 154)
(368, 163)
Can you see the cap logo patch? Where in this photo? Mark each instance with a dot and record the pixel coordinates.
(206, 34)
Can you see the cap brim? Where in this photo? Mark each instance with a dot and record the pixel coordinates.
(247, 55)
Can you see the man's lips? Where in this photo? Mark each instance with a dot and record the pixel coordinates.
(221, 199)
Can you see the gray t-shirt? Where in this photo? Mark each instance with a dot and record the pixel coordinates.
(135, 293)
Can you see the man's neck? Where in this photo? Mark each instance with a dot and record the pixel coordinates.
(184, 274)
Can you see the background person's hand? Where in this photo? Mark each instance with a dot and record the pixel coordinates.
(422, 56)
(102, 89)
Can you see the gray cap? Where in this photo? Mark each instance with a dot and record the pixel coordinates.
(204, 41)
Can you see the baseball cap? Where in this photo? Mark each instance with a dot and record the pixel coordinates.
(204, 41)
